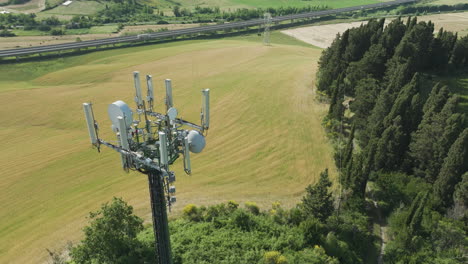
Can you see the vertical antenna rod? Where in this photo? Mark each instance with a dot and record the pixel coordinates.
(187, 165)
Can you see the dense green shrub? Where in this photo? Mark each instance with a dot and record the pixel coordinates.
(6, 33)
(252, 208)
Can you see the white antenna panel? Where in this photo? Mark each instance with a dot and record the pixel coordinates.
(150, 92)
(120, 108)
(123, 132)
(138, 98)
(196, 141)
(206, 108)
(88, 109)
(163, 148)
(169, 102)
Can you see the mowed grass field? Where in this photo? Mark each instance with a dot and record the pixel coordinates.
(265, 143)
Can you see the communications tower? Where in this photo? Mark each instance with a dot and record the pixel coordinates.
(267, 25)
(150, 143)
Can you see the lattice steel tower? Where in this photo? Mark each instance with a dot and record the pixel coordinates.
(267, 25)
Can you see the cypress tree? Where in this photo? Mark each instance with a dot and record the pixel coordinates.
(346, 172)
(460, 198)
(371, 66)
(375, 121)
(455, 165)
(336, 109)
(392, 36)
(348, 151)
(408, 105)
(415, 46)
(436, 133)
(390, 146)
(435, 102)
(415, 223)
(358, 178)
(318, 201)
(399, 72)
(412, 210)
(459, 58)
(360, 39)
(441, 50)
(332, 63)
(367, 92)
(368, 158)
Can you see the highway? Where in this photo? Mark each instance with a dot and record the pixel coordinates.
(187, 31)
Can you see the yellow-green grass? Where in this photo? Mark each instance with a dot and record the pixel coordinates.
(265, 143)
(21, 32)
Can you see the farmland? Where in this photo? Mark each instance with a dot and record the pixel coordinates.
(266, 142)
(323, 35)
(233, 4)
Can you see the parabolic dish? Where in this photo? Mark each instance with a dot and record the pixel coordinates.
(196, 141)
(172, 113)
(120, 108)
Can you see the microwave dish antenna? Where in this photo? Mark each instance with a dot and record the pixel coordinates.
(120, 108)
(151, 146)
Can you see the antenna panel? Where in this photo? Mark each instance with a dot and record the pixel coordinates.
(88, 109)
(136, 79)
(206, 108)
(123, 132)
(163, 148)
(169, 102)
(150, 92)
(120, 108)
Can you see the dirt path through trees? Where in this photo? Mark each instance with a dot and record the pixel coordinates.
(380, 221)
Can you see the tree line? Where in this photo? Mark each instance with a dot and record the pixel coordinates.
(125, 11)
(312, 232)
(403, 130)
(214, 13)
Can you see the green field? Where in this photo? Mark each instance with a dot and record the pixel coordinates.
(108, 29)
(83, 7)
(232, 4)
(20, 32)
(77, 7)
(265, 143)
(446, 2)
